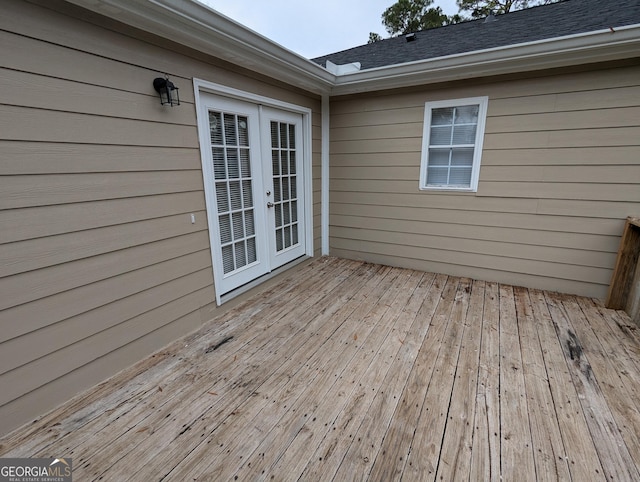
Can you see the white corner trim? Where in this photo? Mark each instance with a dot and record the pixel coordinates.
(324, 175)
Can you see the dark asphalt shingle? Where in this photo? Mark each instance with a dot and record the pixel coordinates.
(544, 22)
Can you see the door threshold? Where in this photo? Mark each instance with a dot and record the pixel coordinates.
(258, 281)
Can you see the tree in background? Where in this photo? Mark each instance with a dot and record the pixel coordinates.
(406, 16)
(482, 8)
(374, 37)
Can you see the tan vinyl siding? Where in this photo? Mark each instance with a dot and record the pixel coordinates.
(560, 172)
(100, 264)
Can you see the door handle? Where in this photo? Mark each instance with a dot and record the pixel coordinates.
(270, 204)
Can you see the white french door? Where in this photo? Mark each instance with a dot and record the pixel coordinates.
(253, 172)
(284, 188)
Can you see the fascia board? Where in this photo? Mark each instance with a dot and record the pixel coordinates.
(197, 26)
(598, 46)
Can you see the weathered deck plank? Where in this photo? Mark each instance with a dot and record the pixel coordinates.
(581, 454)
(455, 458)
(548, 448)
(612, 451)
(485, 451)
(347, 370)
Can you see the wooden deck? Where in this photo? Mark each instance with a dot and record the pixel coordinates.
(350, 371)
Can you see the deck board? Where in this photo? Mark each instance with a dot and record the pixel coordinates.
(346, 370)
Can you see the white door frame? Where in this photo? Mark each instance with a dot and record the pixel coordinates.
(203, 86)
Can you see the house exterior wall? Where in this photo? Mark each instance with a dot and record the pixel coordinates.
(100, 264)
(560, 172)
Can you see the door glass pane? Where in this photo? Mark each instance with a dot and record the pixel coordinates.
(234, 189)
(283, 149)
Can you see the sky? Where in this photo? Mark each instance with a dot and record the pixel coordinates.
(313, 28)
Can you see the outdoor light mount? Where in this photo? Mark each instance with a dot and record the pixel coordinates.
(167, 90)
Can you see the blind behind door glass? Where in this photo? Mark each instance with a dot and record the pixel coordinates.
(285, 178)
(234, 189)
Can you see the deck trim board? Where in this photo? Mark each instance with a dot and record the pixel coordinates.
(346, 370)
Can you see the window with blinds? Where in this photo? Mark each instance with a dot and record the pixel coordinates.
(452, 144)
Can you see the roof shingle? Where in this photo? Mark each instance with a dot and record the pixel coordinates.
(568, 17)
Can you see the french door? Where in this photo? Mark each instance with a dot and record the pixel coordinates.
(253, 170)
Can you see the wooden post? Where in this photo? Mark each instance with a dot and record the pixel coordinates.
(624, 273)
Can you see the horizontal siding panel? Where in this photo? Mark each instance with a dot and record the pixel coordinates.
(567, 101)
(431, 199)
(621, 136)
(609, 211)
(60, 390)
(376, 186)
(617, 192)
(21, 157)
(26, 287)
(25, 349)
(33, 375)
(560, 190)
(67, 304)
(471, 245)
(40, 253)
(388, 131)
(386, 117)
(560, 224)
(598, 276)
(449, 228)
(566, 83)
(390, 172)
(34, 56)
(586, 119)
(571, 174)
(27, 124)
(605, 174)
(375, 159)
(617, 211)
(181, 64)
(377, 146)
(38, 91)
(35, 222)
(573, 156)
(29, 191)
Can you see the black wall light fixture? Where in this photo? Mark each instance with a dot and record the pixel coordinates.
(168, 92)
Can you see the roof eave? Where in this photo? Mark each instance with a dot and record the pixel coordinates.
(598, 46)
(196, 26)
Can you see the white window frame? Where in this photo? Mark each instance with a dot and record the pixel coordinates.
(482, 102)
